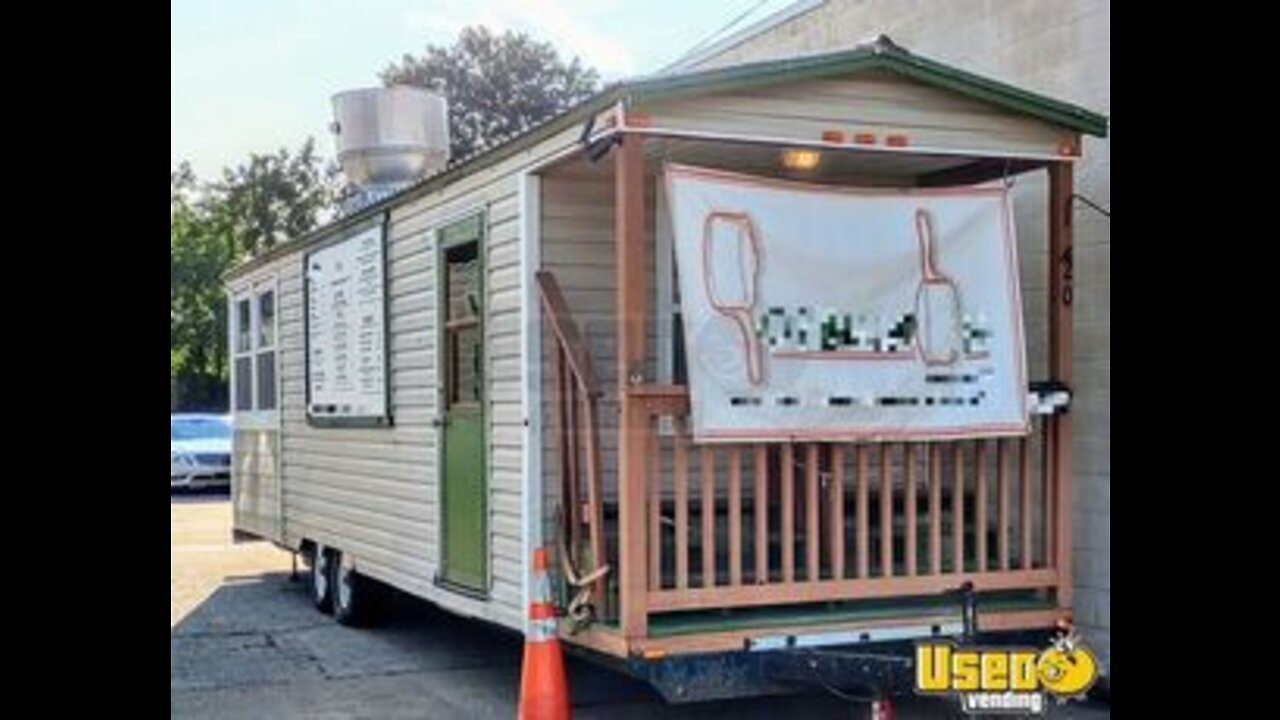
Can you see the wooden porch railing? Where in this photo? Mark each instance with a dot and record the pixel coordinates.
(578, 438)
(835, 521)
(826, 521)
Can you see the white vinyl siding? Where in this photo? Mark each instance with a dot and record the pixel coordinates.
(374, 492)
(578, 248)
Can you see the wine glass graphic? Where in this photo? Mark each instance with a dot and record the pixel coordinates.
(731, 273)
(937, 301)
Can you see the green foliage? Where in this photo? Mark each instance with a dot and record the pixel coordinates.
(497, 85)
(213, 226)
(270, 199)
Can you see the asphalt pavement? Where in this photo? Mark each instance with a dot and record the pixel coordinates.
(245, 642)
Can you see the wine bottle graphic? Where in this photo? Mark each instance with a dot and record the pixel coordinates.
(937, 301)
(731, 272)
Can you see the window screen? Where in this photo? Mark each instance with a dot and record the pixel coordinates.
(244, 334)
(266, 362)
(267, 320)
(244, 383)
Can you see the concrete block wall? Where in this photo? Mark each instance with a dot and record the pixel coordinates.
(1062, 49)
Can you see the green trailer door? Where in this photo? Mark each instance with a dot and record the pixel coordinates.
(464, 487)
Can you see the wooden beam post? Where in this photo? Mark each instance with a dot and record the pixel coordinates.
(909, 459)
(707, 474)
(1061, 326)
(632, 249)
(655, 512)
(864, 515)
(762, 513)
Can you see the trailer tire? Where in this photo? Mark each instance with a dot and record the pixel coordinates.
(320, 577)
(355, 596)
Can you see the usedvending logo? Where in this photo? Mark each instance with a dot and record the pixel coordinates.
(1015, 681)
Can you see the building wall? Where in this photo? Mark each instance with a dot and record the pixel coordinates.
(1061, 49)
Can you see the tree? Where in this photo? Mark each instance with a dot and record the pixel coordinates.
(497, 85)
(271, 198)
(198, 256)
(182, 182)
(213, 226)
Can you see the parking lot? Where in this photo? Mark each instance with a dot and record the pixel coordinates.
(245, 642)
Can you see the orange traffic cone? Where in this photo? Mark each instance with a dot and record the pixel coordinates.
(544, 688)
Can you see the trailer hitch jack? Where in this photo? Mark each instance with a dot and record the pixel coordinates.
(968, 611)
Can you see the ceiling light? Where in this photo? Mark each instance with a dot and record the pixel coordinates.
(800, 158)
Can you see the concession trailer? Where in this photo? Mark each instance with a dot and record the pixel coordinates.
(760, 354)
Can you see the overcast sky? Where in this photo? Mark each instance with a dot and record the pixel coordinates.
(256, 75)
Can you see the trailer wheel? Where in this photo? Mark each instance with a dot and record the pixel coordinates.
(321, 577)
(354, 596)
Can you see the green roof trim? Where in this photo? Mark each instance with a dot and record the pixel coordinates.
(997, 93)
(881, 54)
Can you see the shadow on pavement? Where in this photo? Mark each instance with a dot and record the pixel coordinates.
(184, 496)
(256, 647)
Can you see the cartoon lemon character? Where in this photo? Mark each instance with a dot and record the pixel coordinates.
(1067, 669)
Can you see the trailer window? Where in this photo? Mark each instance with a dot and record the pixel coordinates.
(242, 364)
(265, 359)
(462, 331)
(244, 331)
(253, 379)
(267, 319)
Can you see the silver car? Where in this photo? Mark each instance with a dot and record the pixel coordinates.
(199, 451)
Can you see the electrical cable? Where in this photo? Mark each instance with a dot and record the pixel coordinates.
(713, 36)
(1096, 207)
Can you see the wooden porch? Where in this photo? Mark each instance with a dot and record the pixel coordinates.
(780, 537)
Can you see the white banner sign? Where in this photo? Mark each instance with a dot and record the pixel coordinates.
(823, 313)
(346, 346)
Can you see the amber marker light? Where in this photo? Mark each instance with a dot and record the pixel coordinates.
(800, 158)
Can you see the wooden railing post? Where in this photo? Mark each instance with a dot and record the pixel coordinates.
(568, 483)
(632, 250)
(762, 514)
(1060, 366)
(909, 459)
(595, 492)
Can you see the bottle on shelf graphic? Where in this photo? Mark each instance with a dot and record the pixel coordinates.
(731, 273)
(937, 301)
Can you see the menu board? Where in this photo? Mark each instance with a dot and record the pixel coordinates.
(346, 331)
